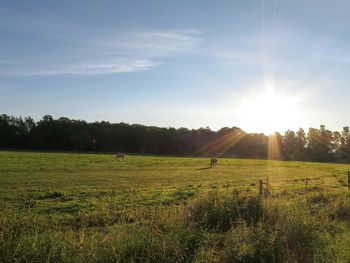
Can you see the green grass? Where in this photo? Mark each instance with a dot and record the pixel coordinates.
(58, 207)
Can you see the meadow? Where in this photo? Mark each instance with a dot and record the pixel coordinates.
(69, 207)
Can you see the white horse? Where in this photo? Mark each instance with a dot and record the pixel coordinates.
(119, 156)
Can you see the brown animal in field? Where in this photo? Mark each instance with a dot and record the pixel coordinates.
(213, 162)
(119, 156)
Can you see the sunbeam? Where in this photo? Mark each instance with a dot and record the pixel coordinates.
(274, 150)
(222, 144)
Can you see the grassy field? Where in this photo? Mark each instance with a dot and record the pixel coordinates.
(58, 207)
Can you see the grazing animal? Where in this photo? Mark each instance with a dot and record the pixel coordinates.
(119, 156)
(213, 162)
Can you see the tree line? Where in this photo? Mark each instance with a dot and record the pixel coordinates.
(64, 134)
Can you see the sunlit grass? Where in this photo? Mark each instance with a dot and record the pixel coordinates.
(90, 207)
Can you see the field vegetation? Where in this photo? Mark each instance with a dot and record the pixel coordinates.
(60, 207)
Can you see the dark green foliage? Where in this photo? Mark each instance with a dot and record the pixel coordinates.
(64, 134)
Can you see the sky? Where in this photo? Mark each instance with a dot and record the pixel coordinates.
(262, 65)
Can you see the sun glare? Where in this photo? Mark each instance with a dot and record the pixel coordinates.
(268, 111)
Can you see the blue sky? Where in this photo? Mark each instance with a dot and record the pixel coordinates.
(178, 63)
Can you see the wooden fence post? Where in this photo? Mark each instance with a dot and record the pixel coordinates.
(260, 187)
(348, 180)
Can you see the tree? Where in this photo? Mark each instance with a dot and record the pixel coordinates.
(77, 135)
(289, 145)
(319, 144)
(344, 149)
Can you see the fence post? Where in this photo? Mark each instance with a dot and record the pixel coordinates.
(348, 180)
(260, 187)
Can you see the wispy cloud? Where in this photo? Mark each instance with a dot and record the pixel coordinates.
(130, 52)
(85, 69)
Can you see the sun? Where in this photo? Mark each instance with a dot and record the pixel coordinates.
(268, 111)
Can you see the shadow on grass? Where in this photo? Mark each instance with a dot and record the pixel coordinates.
(204, 168)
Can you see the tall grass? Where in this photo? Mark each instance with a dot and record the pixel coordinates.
(219, 226)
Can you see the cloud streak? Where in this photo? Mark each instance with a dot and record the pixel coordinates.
(131, 52)
(86, 69)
